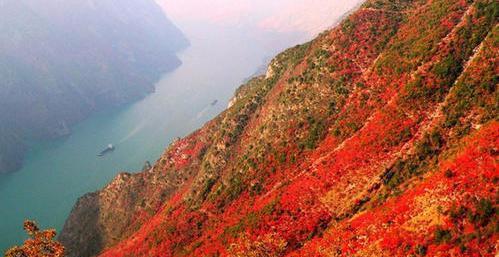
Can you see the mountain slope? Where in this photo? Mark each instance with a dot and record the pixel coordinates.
(378, 138)
(61, 60)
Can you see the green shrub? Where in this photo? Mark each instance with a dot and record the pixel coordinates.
(484, 212)
(442, 235)
(421, 250)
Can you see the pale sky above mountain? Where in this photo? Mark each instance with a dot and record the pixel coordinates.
(311, 16)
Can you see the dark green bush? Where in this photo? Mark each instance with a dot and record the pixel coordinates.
(442, 235)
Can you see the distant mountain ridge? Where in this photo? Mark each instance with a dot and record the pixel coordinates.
(283, 16)
(62, 59)
(378, 138)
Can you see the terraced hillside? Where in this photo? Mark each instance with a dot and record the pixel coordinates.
(378, 138)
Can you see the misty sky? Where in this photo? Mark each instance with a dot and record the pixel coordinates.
(311, 16)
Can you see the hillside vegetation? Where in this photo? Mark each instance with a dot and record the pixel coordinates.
(378, 138)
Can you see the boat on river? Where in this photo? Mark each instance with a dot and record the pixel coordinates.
(109, 148)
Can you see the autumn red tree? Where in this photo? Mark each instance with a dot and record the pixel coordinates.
(41, 243)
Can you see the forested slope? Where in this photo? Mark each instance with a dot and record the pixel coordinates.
(378, 138)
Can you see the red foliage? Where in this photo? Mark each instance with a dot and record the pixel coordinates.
(316, 204)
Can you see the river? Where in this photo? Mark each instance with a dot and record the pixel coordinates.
(57, 172)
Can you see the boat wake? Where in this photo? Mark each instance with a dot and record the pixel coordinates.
(132, 133)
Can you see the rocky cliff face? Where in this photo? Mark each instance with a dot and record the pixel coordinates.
(61, 60)
(378, 138)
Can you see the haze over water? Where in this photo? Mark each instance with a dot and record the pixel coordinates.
(56, 173)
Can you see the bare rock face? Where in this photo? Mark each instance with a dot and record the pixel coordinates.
(86, 233)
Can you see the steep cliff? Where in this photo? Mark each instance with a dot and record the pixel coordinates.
(61, 60)
(378, 138)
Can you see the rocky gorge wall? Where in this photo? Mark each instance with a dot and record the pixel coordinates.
(62, 60)
(377, 138)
